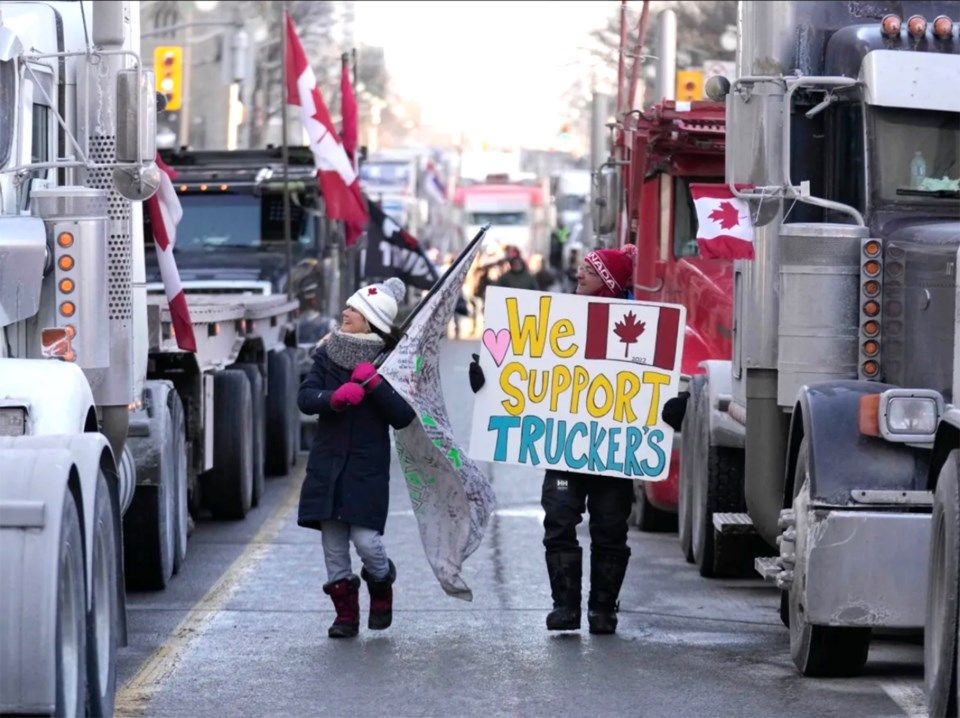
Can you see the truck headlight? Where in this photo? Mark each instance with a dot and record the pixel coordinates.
(910, 415)
(13, 420)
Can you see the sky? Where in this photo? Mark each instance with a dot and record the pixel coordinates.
(495, 70)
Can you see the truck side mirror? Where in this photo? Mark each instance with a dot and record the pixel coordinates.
(136, 135)
(606, 198)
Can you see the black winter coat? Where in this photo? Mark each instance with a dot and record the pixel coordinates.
(348, 472)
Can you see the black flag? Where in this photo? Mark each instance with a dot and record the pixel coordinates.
(394, 252)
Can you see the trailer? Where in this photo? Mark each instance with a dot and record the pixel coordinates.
(843, 144)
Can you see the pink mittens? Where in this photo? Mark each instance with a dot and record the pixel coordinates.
(366, 372)
(348, 394)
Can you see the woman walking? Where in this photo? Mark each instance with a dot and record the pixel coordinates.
(346, 491)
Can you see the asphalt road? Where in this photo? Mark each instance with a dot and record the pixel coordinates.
(242, 629)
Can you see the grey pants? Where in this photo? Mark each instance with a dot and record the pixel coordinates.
(336, 550)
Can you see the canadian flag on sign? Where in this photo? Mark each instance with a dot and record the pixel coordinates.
(339, 181)
(632, 332)
(724, 227)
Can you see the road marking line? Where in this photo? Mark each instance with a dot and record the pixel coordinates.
(907, 694)
(136, 694)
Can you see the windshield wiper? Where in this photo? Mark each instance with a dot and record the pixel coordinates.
(945, 193)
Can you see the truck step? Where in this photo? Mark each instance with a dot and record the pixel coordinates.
(767, 567)
(733, 524)
(736, 545)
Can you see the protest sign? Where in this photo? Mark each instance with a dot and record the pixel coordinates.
(577, 383)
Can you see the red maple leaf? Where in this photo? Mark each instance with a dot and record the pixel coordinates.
(726, 214)
(629, 330)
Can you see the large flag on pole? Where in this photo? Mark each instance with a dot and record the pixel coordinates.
(165, 212)
(348, 111)
(393, 252)
(338, 177)
(452, 499)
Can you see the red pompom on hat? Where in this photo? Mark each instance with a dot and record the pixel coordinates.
(615, 268)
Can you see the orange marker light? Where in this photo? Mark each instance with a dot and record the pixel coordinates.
(871, 268)
(870, 347)
(203, 188)
(224, 187)
(942, 27)
(917, 26)
(66, 286)
(871, 248)
(890, 26)
(870, 368)
(868, 418)
(871, 288)
(183, 188)
(871, 308)
(68, 309)
(871, 328)
(65, 263)
(65, 239)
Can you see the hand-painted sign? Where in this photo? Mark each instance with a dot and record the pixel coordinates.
(577, 383)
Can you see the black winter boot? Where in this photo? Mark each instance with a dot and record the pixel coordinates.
(381, 598)
(606, 577)
(345, 595)
(565, 571)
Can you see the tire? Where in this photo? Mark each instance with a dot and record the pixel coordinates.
(648, 517)
(279, 441)
(71, 650)
(180, 480)
(688, 452)
(717, 487)
(940, 631)
(150, 524)
(824, 651)
(228, 487)
(259, 409)
(293, 412)
(103, 620)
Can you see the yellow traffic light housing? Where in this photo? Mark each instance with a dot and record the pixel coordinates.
(689, 85)
(168, 67)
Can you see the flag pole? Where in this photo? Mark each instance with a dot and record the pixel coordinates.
(286, 156)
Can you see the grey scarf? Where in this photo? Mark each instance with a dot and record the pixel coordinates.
(348, 350)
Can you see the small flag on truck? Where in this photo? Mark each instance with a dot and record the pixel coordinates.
(724, 226)
(165, 212)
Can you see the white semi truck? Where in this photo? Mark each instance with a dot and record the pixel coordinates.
(108, 431)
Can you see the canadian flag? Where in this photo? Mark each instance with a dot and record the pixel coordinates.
(724, 227)
(633, 332)
(165, 212)
(338, 178)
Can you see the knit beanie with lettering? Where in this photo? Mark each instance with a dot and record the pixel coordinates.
(615, 267)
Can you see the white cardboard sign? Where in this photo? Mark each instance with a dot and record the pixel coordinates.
(577, 383)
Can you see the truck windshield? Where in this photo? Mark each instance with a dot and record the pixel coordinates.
(391, 174)
(6, 109)
(226, 220)
(509, 219)
(915, 155)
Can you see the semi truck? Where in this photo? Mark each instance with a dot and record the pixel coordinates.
(108, 430)
(843, 144)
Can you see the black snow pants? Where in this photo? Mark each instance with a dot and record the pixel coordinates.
(564, 498)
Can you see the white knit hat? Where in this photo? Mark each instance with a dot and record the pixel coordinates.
(378, 302)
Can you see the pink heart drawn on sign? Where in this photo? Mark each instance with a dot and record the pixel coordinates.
(497, 343)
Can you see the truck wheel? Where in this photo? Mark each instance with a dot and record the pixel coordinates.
(940, 631)
(150, 524)
(259, 408)
(293, 412)
(648, 517)
(71, 647)
(103, 622)
(180, 480)
(228, 488)
(279, 441)
(717, 487)
(688, 451)
(825, 651)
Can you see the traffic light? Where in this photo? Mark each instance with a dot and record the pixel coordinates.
(168, 67)
(689, 85)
